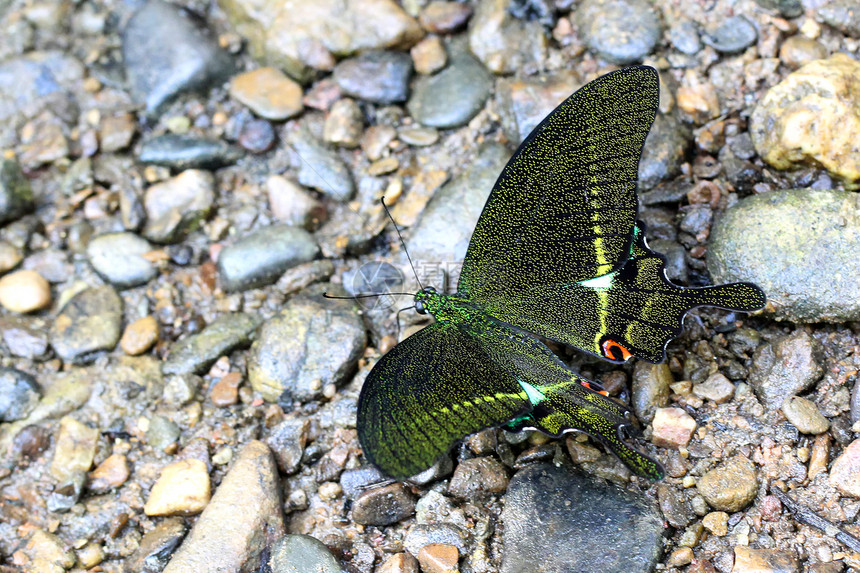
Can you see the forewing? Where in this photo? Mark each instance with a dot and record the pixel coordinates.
(435, 387)
(564, 208)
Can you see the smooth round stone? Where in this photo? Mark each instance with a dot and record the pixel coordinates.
(731, 486)
(804, 415)
(181, 152)
(418, 136)
(183, 488)
(453, 96)
(321, 168)
(734, 35)
(198, 352)
(24, 291)
(16, 196)
(177, 206)
(19, 394)
(557, 514)
(89, 322)
(268, 93)
(257, 136)
(263, 256)
(429, 55)
(383, 505)
(139, 336)
(116, 132)
(443, 17)
(798, 51)
(10, 256)
(52, 264)
(25, 336)
(619, 31)
(798, 246)
(476, 477)
(377, 76)
(684, 36)
(166, 53)
(424, 534)
(650, 388)
(118, 258)
(302, 554)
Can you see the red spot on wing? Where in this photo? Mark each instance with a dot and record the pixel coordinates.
(593, 387)
(615, 351)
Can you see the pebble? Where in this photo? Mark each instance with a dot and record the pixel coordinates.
(804, 415)
(157, 545)
(178, 206)
(302, 554)
(672, 428)
(429, 55)
(717, 522)
(523, 103)
(162, 434)
(182, 489)
(181, 152)
(556, 514)
(320, 168)
(52, 264)
(257, 136)
(733, 35)
(376, 139)
(166, 53)
(89, 322)
(503, 42)
(453, 96)
(444, 533)
(797, 51)
(344, 124)
(90, 555)
(196, 353)
(225, 392)
(24, 291)
(650, 389)
(10, 256)
(74, 451)
(478, 476)
(676, 511)
(731, 486)
(227, 535)
(116, 132)
(110, 474)
(786, 8)
(418, 137)
(180, 389)
(749, 560)
(665, 151)
(139, 336)
(292, 204)
(619, 31)
(119, 259)
(399, 563)
(842, 15)
(716, 388)
(19, 394)
(43, 141)
(684, 36)
(383, 505)
(439, 558)
(268, 93)
(353, 482)
(311, 344)
(680, 557)
(407, 210)
(16, 195)
(260, 258)
(47, 553)
(811, 118)
(785, 367)
(377, 76)
(845, 472)
(802, 285)
(442, 17)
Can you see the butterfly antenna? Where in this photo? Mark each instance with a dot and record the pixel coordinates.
(397, 319)
(368, 295)
(402, 242)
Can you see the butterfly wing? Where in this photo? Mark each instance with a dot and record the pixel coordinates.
(564, 207)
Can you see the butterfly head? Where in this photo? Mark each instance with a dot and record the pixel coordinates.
(422, 298)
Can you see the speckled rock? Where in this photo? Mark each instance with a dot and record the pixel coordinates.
(177, 206)
(504, 43)
(524, 102)
(731, 486)
(321, 168)
(619, 31)
(788, 366)
(16, 195)
(25, 336)
(109, 474)
(47, 553)
(557, 514)
(813, 116)
(478, 476)
(269, 93)
(243, 519)
(166, 53)
(383, 505)
(313, 342)
(804, 415)
(198, 351)
(181, 152)
(287, 441)
(91, 321)
(118, 257)
(139, 336)
(650, 388)
(798, 51)
(673, 428)
(75, 449)
(665, 150)
(262, 257)
(378, 76)
(302, 554)
(19, 394)
(808, 239)
(439, 558)
(749, 560)
(842, 15)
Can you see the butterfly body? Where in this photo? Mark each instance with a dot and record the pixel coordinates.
(557, 254)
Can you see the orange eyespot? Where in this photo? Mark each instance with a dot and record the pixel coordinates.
(591, 386)
(614, 351)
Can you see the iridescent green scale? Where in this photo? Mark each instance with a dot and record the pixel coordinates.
(556, 254)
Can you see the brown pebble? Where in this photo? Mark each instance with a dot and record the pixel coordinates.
(268, 92)
(383, 166)
(444, 17)
(798, 51)
(183, 488)
(672, 428)
(24, 291)
(399, 563)
(139, 336)
(680, 557)
(428, 55)
(344, 124)
(716, 388)
(717, 522)
(225, 392)
(438, 558)
(376, 139)
(820, 455)
(111, 473)
(748, 560)
(730, 486)
(10, 256)
(804, 415)
(845, 473)
(116, 132)
(770, 508)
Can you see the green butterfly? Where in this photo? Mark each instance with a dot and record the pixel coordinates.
(557, 254)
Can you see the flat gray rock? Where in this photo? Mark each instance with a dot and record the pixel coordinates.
(118, 257)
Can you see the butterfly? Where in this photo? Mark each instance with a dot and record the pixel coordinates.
(557, 254)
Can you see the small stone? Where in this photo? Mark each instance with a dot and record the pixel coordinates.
(181, 489)
(19, 394)
(438, 558)
(523, 103)
(478, 476)
(75, 449)
(344, 124)
(717, 522)
(225, 392)
(43, 141)
(503, 42)
(198, 352)
(650, 388)
(399, 563)
(116, 132)
(178, 206)
(157, 545)
(716, 388)
(676, 511)
(48, 553)
(179, 390)
(619, 31)
(383, 505)
(680, 557)
(376, 139)
(299, 553)
(16, 195)
(731, 486)
(110, 474)
(90, 555)
(785, 367)
(257, 136)
(292, 204)
(797, 51)
(181, 152)
(845, 472)
(383, 166)
(268, 93)
(429, 55)
(805, 415)
(418, 136)
(748, 560)
(673, 428)
(162, 434)
(842, 15)
(119, 259)
(440, 17)
(377, 76)
(424, 534)
(89, 323)
(24, 291)
(139, 336)
(287, 441)
(453, 96)
(320, 168)
(819, 457)
(10, 256)
(684, 36)
(329, 491)
(733, 35)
